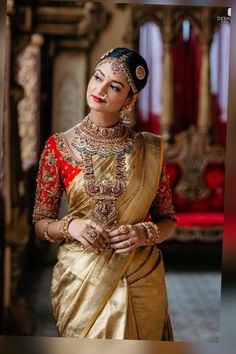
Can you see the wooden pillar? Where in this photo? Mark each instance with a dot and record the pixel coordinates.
(166, 121)
(204, 108)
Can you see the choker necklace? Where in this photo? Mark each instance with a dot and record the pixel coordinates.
(115, 141)
(102, 141)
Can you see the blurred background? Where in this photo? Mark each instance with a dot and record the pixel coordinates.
(52, 48)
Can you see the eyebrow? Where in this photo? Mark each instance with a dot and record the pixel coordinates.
(118, 82)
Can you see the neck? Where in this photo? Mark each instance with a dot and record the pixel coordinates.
(104, 120)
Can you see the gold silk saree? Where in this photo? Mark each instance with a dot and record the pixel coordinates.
(111, 295)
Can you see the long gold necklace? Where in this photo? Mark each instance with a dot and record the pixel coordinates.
(116, 141)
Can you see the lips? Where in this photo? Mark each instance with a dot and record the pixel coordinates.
(97, 99)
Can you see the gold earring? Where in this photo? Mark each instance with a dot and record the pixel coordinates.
(124, 116)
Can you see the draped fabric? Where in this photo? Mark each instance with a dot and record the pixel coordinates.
(186, 71)
(109, 295)
(150, 102)
(219, 70)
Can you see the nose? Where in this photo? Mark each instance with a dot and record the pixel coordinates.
(102, 88)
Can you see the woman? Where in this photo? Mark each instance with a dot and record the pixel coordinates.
(109, 278)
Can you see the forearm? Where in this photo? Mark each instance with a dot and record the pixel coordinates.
(73, 229)
(166, 227)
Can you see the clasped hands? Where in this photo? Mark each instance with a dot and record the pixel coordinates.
(95, 238)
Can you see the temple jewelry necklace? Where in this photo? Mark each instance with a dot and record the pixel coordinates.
(102, 141)
(90, 140)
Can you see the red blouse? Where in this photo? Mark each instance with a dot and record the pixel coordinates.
(58, 167)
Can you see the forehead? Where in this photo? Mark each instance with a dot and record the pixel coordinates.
(106, 69)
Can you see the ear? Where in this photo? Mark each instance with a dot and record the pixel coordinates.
(130, 101)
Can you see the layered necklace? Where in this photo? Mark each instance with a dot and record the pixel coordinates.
(92, 140)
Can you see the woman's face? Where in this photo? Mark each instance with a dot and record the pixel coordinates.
(107, 91)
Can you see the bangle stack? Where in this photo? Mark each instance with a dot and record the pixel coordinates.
(153, 233)
(64, 226)
(45, 231)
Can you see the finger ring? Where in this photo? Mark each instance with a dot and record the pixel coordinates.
(129, 243)
(124, 229)
(93, 235)
(93, 225)
(125, 254)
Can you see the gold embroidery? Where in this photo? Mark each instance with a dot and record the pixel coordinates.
(49, 188)
(61, 146)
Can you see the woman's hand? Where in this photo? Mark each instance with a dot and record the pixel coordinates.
(89, 234)
(127, 237)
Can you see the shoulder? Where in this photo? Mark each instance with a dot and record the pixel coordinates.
(52, 144)
(150, 139)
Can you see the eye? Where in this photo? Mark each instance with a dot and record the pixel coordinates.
(115, 88)
(97, 77)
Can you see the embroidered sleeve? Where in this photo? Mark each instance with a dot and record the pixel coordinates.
(162, 206)
(49, 187)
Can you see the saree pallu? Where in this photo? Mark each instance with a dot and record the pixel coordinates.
(110, 295)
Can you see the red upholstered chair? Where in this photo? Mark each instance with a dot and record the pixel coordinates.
(196, 172)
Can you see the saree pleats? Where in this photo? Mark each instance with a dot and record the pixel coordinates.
(147, 311)
(82, 292)
(110, 295)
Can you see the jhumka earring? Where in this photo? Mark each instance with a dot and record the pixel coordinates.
(124, 116)
(125, 111)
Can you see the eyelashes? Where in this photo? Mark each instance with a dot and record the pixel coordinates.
(114, 88)
(97, 77)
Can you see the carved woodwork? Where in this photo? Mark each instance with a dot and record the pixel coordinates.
(28, 76)
(15, 216)
(76, 24)
(192, 151)
(169, 19)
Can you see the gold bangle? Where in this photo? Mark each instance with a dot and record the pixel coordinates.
(153, 233)
(45, 231)
(64, 225)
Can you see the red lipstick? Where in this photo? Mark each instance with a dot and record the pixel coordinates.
(97, 99)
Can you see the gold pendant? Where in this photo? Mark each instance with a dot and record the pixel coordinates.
(105, 213)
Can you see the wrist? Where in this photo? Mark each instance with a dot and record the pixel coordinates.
(152, 233)
(64, 227)
(46, 234)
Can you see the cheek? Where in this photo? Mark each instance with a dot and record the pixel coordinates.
(90, 84)
(116, 102)
(89, 89)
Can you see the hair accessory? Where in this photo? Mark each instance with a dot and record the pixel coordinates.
(140, 72)
(133, 65)
(106, 54)
(118, 65)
